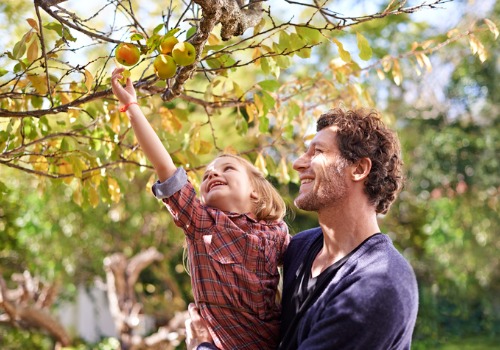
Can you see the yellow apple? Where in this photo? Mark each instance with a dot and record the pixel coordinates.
(164, 66)
(184, 53)
(167, 44)
(127, 54)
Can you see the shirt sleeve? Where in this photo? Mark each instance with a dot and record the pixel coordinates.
(179, 196)
(284, 244)
(206, 346)
(171, 185)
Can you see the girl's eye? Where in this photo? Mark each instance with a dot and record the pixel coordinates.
(229, 167)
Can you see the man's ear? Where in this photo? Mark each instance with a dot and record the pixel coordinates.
(361, 169)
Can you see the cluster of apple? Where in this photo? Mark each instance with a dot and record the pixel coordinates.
(173, 53)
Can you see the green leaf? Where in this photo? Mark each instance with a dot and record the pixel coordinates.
(283, 61)
(304, 53)
(264, 124)
(241, 125)
(365, 51)
(55, 26)
(270, 85)
(293, 110)
(19, 49)
(259, 26)
(296, 42)
(36, 101)
(288, 132)
(158, 28)
(173, 31)
(136, 37)
(3, 72)
(268, 101)
(67, 35)
(191, 31)
(264, 65)
(310, 35)
(283, 42)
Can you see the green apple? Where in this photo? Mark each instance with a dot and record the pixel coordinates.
(167, 44)
(164, 66)
(184, 53)
(127, 54)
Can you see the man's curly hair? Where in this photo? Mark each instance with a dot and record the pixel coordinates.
(361, 133)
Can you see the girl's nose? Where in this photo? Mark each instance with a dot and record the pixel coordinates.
(213, 173)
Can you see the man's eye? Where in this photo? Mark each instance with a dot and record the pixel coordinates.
(316, 151)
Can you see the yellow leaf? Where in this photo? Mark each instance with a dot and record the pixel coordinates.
(256, 54)
(387, 63)
(32, 53)
(39, 163)
(426, 44)
(95, 177)
(113, 190)
(308, 137)
(477, 47)
(423, 61)
(93, 196)
(260, 163)
(396, 73)
(169, 121)
(205, 147)
(193, 179)
(39, 83)
(365, 51)
(34, 24)
(77, 196)
(380, 74)
(230, 150)
(194, 144)
(213, 39)
(64, 98)
(283, 172)
(115, 120)
(452, 33)
(252, 112)
(492, 27)
(344, 55)
(89, 80)
(259, 105)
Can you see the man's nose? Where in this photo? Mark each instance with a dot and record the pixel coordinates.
(301, 162)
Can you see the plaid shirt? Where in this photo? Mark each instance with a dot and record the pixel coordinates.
(234, 262)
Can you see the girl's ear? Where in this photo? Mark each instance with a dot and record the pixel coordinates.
(361, 169)
(254, 195)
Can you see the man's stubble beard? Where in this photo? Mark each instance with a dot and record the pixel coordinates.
(330, 191)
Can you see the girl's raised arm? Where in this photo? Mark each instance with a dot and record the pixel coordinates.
(147, 137)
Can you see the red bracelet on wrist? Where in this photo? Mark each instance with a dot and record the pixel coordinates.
(124, 108)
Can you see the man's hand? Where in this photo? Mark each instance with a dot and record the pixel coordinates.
(196, 329)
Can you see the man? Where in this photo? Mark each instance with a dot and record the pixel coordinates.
(345, 285)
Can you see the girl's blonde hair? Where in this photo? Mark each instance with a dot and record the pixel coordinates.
(269, 206)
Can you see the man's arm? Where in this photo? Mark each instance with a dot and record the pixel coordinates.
(369, 313)
(197, 335)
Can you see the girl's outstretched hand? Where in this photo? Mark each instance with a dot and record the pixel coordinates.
(126, 94)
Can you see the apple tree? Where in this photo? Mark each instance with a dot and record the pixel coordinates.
(263, 71)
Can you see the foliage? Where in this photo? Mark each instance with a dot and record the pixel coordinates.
(74, 184)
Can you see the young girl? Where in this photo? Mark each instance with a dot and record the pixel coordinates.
(235, 236)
